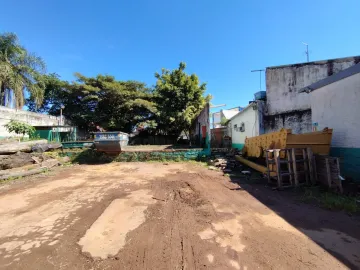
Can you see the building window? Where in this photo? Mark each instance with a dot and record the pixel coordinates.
(242, 127)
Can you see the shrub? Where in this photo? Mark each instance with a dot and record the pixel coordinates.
(20, 128)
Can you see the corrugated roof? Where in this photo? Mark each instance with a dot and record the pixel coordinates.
(331, 79)
(229, 113)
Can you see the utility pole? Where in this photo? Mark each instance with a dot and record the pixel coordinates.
(259, 70)
(61, 114)
(307, 51)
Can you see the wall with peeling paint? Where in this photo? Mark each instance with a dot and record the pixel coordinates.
(286, 108)
(298, 121)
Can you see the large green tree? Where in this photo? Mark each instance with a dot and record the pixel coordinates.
(179, 98)
(20, 71)
(54, 90)
(101, 100)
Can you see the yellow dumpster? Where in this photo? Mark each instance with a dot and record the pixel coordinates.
(318, 141)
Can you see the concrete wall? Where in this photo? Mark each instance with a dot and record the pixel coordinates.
(337, 106)
(286, 108)
(298, 121)
(34, 119)
(251, 116)
(261, 109)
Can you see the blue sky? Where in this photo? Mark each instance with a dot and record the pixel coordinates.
(221, 41)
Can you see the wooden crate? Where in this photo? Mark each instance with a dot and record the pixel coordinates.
(328, 171)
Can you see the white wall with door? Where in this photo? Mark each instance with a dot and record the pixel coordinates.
(244, 124)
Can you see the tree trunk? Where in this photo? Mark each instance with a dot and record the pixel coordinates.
(12, 148)
(2, 94)
(187, 133)
(23, 173)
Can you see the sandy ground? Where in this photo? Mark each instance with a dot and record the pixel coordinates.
(157, 216)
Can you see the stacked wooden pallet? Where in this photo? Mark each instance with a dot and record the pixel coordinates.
(292, 164)
(299, 166)
(328, 172)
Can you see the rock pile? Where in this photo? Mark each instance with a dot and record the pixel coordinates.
(227, 163)
(25, 158)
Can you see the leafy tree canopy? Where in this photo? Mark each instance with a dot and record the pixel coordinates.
(100, 100)
(224, 121)
(169, 108)
(53, 88)
(179, 98)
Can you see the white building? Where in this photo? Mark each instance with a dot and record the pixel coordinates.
(246, 123)
(335, 103)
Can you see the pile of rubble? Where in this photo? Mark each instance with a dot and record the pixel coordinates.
(226, 162)
(19, 159)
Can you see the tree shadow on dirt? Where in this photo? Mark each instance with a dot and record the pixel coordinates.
(335, 231)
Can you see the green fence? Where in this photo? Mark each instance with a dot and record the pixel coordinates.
(56, 134)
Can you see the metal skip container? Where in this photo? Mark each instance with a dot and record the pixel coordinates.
(110, 142)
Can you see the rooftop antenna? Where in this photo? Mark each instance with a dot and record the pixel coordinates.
(258, 70)
(307, 51)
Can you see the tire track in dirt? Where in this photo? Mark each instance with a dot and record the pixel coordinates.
(193, 218)
(168, 239)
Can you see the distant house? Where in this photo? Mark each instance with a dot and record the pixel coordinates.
(219, 131)
(246, 123)
(335, 103)
(224, 114)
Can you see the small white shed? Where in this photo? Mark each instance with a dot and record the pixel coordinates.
(247, 123)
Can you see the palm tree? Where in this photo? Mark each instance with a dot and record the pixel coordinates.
(20, 71)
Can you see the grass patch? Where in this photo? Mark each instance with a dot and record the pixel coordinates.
(330, 200)
(91, 156)
(11, 178)
(52, 154)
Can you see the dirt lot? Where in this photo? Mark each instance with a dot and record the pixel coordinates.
(158, 216)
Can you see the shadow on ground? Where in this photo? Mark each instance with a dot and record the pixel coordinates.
(335, 231)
